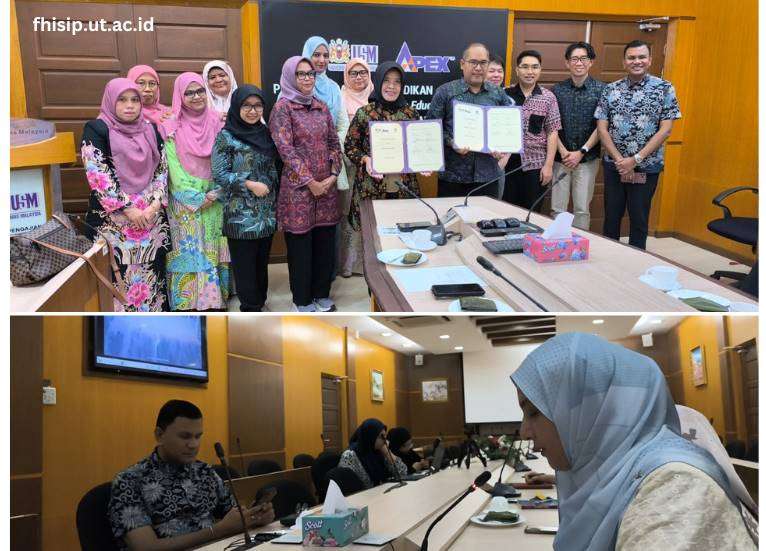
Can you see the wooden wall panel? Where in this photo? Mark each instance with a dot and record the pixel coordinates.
(428, 420)
(257, 337)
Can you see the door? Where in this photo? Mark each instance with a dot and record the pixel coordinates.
(748, 356)
(608, 38)
(65, 76)
(331, 414)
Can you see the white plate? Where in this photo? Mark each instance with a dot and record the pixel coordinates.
(650, 281)
(743, 307)
(691, 293)
(412, 244)
(393, 257)
(454, 306)
(494, 523)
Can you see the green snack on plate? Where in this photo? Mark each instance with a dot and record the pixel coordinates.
(704, 305)
(477, 304)
(411, 258)
(501, 516)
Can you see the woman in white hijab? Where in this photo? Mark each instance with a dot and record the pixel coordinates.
(220, 84)
(627, 480)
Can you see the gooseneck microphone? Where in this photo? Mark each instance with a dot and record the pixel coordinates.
(480, 481)
(548, 188)
(451, 213)
(396, 472)
(438, 233)
(487, 265)
(506, 490)
(249, 543)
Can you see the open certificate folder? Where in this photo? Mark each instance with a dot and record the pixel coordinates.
(487, 128)
(398, 147)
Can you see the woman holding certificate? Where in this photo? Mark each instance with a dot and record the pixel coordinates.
(307, 209)
(386, 104)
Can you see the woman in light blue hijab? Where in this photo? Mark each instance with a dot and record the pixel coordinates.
(604, 419)
(325, 88)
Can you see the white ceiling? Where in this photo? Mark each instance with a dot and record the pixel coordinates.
(463, 332)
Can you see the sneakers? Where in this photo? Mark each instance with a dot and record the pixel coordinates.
(324, 305)
(308, 308)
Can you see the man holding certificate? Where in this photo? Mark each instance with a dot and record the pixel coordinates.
(465, 169)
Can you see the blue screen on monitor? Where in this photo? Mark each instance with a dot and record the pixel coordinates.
(164, 346)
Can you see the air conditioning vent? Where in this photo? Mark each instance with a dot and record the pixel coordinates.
(414, 322)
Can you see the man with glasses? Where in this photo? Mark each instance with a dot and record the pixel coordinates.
(578, 147)
(541, 120)
(634, 118)
(465, 170)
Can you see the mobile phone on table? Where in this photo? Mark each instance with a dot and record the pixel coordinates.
(457, 290)
(541, 530)
(412, 226)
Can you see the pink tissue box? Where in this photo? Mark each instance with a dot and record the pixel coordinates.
(555, 250)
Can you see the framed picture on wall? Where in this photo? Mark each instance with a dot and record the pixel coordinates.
(376, 385)
(435, 390)
(699, 370)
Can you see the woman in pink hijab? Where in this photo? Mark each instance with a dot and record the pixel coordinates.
(198, 267)
(148, 82)
(124, 161)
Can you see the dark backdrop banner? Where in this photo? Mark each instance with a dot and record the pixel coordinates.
(426, 41)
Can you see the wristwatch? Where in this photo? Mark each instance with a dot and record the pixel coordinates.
(584, 150)
(638, 158)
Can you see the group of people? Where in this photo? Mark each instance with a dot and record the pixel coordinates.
(633, 470)
(190, 196)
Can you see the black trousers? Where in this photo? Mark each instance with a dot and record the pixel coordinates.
(250, 262)
(637, 198)
(458, 189)
(523, 188)
(310, 261)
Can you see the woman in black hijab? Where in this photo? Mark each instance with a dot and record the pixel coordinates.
(244, 165)
(369, 457)
(400, 444)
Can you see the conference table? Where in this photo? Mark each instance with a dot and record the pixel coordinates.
(405, 513)
(608, 281)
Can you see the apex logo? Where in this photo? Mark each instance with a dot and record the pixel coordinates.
(426, 63)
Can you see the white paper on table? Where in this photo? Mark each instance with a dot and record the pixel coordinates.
(504, 129)
(334, 501)
(468, 126)
(471, 214)
(421, 279)
(388, 230)
(387, 147)
(425, 151)
(560, 228)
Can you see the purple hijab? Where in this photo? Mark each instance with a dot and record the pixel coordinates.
(135, 155)
(289, 83)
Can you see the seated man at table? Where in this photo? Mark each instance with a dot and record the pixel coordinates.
(400, 444)
(369, 457)
(170, 500)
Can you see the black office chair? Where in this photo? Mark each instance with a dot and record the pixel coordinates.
(346, 479)
(93, 526)
(221, 471)
(262, 466)
(289, 495)
(323, 463)
(741, 229)
(303, 460)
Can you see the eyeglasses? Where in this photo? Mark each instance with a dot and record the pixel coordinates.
(198, 92)
(476, 63)
(362, 73)
(147, 84)
(583, 59)
(247, 107)
(306, 75)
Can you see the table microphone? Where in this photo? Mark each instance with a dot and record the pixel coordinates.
(451, 212)
(548, 188)
(249, 543)
(506, 490)
(480, 481)
(438, 233)
(401, 483)
(487, 265)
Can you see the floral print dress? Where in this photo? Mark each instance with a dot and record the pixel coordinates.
(199, 276)
(140, 253)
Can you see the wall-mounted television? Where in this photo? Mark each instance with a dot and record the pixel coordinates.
(150, 346)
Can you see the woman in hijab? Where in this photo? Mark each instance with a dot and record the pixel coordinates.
(148, 82)
(356, 94)
(603, 417)
(124, 161)
(198, 266)
(400, 444)
(244, 167)
(307, 209)
(220, 84)
(386, 104)
(369, 457)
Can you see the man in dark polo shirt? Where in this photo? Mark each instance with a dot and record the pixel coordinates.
(170, 500)
(465, 170)
(578, 147)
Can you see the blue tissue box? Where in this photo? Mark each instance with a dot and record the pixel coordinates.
(335, 530)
